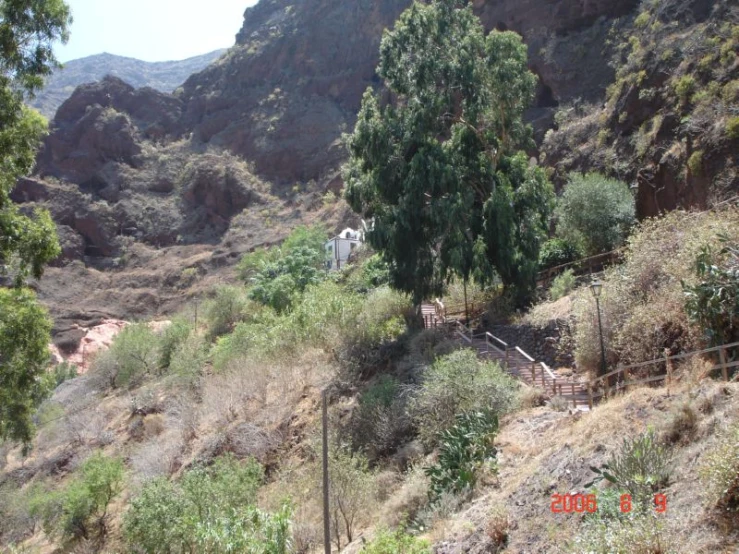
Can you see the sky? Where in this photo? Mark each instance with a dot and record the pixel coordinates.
(152, 30)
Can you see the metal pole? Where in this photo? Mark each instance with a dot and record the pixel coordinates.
(602, 346)
(326, 526)
(466, 311)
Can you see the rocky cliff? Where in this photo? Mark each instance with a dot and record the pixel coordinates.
(162, 76)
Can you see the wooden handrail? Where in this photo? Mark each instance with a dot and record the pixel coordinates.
(529, 358)
(622, 369)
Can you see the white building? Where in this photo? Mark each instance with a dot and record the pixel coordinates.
(341, 246)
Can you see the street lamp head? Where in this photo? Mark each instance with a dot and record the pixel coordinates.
(596, 287)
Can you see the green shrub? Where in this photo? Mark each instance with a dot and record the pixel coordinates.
(279, 278)
(459, 382)
(640, 534)
(60, 373)
(189, 357)
(170, 340)
(595, 212)
(252, 263)
(207, 510)
(225, 310)
(713, 303)
(80, 509)
(563, 284)
(132, 355)
(641, 468)
(695, 162)
(558, 251)
(720, 472)
(732, 128)
(397, 542)
(685, 87)
(380, 423)
(642, 20)
(464, 449)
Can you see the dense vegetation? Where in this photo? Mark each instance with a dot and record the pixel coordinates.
(28, 30)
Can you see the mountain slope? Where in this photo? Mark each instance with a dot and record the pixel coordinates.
(162, 76)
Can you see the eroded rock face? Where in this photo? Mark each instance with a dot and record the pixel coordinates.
(293, 82)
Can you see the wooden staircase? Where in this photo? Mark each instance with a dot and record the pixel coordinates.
(514, 360)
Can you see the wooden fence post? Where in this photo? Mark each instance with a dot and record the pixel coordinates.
(668, 367)
(326, 516)
(533, 374)
(724, 368)
(590, 395)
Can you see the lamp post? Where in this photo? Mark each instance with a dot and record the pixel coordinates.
(596, 288)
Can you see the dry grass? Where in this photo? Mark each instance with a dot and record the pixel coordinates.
(642, 304)
(543, 452)
(497, 528)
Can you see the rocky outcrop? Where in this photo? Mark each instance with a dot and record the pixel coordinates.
(665, 125)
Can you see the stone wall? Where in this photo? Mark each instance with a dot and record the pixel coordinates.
(546, 344)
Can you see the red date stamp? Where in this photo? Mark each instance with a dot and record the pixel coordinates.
(580, 503)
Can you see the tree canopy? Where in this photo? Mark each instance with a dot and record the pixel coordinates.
(28, 29)
(436, 159)
(595, 212)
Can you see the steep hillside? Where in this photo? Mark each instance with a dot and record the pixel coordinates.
(669, 121)
(162, 76)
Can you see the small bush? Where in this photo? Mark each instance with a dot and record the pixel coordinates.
(459, 382)
(80, 509)
(464, 449)
(563, 284)
(720, 472)
(732, 128)
(641, 467)
(695, 162)
(685, 87)
(351, 494)
(531, 397)
(595, 212)
(397, 542)
(170, 340)
(380, 424)
(63, 372)
(558, 404)
(132, 355)
(228, 307)
(189, 357)
(713, 303)
(558, 251)
(644, 534)
(498, 527)
(682, 425)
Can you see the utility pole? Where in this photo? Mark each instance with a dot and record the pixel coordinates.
(326, 522)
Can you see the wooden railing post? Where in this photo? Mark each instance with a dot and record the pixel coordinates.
(506, 358)
(724, 367)
(533, 374)
(590, 395)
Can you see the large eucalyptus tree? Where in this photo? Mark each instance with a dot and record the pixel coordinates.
(437, 158)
